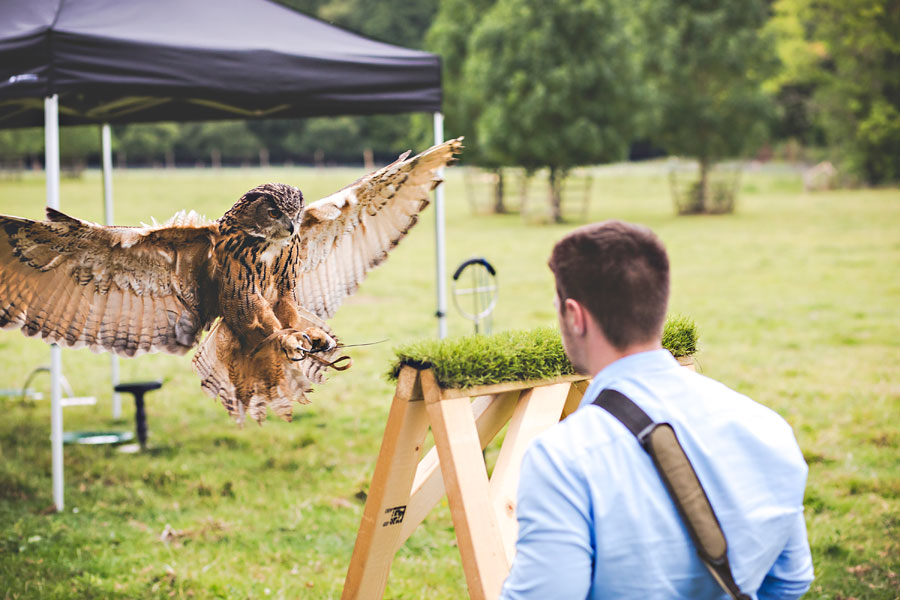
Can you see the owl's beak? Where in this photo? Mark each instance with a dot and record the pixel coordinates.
(291, 227)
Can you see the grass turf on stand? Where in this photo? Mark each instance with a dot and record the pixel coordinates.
(522, 355)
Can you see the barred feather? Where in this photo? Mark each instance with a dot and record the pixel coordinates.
(77, 283)
(356, 227)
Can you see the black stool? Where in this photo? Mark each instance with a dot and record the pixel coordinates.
(138, 389)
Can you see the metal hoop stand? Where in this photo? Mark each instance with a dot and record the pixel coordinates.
(476, 303)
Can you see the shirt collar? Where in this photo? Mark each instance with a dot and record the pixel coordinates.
(641, 362)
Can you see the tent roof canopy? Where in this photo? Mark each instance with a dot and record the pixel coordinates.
(169, 60)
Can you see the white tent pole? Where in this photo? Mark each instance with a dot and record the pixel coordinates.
(106, 143)
(51, 173)
(440, 253)
(106, 146)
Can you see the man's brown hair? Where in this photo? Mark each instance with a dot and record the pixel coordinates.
(620, 273)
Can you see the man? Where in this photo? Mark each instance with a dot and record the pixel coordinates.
(595, 520)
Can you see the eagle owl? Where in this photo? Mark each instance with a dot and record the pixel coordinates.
(262, 279)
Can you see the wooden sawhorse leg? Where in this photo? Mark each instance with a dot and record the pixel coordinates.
(401, 447)
(404, 489)
(468, 490)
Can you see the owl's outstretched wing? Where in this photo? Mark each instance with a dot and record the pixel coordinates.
(345, 235)
(128, 290)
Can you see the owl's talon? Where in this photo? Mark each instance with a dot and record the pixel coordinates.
(319, 340)
(287, 354)
(292, 343)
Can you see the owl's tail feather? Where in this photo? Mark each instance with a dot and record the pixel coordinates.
(250, 383)
(213, 372)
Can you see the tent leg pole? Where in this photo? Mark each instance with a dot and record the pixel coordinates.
(441, 272)
(114, 381)
(51, 172)
(106, 146)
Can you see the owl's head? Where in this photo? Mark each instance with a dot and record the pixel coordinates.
(270, 211)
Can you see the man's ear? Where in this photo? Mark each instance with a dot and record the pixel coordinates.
(575, 316)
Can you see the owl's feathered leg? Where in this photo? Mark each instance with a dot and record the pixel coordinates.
(250, 381)
(218, 375)
(313, 331)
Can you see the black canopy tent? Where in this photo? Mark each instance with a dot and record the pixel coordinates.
(75, 62)
(174, 60)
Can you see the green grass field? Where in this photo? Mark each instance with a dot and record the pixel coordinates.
(797, 301)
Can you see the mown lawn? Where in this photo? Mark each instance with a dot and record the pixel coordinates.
(796, 297)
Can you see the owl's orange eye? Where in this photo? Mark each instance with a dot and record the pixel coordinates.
(275, 213)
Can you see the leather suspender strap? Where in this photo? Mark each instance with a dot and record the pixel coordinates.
(678, 475)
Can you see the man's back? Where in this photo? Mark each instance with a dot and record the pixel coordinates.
(595, 519)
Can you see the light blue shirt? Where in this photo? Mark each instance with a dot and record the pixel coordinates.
(595, 520)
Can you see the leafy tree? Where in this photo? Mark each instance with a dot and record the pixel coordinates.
(388, 135)
(558, 84)
(229, 140)
(397, 22)
(848, 52)
(333, 137)
(713, 58)
(76, 145)
(279, 136)
(309, 7)
(449, 37)
(877, 151)
(793, 83)
(146, 141)
(15, 143)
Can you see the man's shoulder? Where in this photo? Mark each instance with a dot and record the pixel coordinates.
(700, 408)
(719, 398)
(696, 405)
(695, 397)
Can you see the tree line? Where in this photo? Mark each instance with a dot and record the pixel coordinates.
(577, 82)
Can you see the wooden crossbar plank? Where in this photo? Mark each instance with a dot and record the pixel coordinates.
(499, 388)
(687, 362)
(389, 492)
(537, 409)
(490, 413)
(465, 478)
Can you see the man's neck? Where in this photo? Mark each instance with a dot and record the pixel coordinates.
(606, 354)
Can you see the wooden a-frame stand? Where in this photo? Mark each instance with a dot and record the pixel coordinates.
(404, 488)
